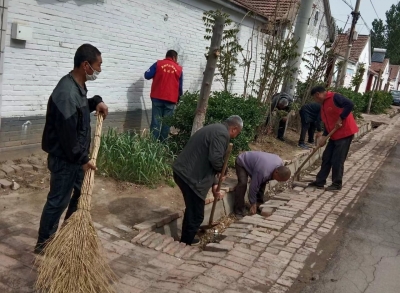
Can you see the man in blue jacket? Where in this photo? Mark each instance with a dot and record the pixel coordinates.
(66, 139)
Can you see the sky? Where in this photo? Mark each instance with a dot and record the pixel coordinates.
(341, 11)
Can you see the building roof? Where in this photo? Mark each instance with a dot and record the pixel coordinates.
(283, 9)
(340, 46)
(394, 71)
(376, 66)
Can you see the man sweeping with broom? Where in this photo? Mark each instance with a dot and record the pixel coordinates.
(66, 139)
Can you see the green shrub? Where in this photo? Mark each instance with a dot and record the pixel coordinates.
(380, 102)
(133, 157)
(359, 100)
(221, 105)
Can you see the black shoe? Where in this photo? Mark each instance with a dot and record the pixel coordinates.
(195, 242)
(333, 188)
(281, 139)
(314, 184)
(303, 146)
(39, 249)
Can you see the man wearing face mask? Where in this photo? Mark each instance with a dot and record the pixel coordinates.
(66, 139)
(166, 90)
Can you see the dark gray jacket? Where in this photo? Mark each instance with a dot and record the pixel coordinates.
(202, 158)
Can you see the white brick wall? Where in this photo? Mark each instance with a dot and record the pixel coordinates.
(131, 35)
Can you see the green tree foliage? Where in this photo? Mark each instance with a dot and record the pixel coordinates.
(378, 34)
(230, 47)
(393, 33)
(387, 35)
(221, 105)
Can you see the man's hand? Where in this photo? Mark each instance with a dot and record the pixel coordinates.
(103, 109)
(253, 209)
(339, 123)
(217, 194)
(89, 165)
(322, 141)
(319, 134)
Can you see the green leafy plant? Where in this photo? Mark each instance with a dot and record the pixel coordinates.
(230, 47)
(357, 79)
(221, 105)
(134, 157)
(381, 101)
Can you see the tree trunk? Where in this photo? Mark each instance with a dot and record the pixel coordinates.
(208, 75)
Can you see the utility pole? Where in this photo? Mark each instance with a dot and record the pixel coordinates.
(356, 16)
(208, 75)
(299, 36)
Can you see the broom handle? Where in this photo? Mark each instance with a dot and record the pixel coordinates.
(226, 159)
(297, 173)
(88, 181)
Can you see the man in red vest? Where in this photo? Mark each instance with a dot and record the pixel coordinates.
(335, 113)
(165, 92)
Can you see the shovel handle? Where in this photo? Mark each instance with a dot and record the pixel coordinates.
(226, 159)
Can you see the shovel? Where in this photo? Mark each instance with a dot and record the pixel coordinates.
(296, 176)
(211, 224)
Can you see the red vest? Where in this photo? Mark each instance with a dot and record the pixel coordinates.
(166, 81)
(330, 114)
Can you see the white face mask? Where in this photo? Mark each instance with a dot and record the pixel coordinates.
(93, 76)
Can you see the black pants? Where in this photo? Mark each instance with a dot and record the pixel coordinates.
(241, 188)
(334, 156)
(64, 179)
(194, 212)
(307, 128)
(281, 128)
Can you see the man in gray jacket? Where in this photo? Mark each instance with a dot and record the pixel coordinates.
(196, 168)
(261, 167)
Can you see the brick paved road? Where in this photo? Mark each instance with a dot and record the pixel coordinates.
(258, 255)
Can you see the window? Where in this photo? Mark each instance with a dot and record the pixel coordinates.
(316, 17)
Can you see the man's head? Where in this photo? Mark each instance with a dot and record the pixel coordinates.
(319, 94)
(235, 125)
(281, 174)
(87, 61)
(282, 103)
(172, 54)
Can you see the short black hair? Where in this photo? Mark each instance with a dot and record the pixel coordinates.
(86, 52)
(171, 54)
(318, 89)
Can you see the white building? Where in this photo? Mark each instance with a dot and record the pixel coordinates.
(131, 35)
(360, 54)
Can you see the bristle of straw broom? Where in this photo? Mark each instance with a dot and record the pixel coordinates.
(73, 261)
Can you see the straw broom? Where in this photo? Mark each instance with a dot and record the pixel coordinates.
(73, 260)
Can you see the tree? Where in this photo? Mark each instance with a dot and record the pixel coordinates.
(393, 33)
(208, 75)
(230, 47)
(378, 34)
(340, 30)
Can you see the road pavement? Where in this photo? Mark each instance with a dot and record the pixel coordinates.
(368, 259)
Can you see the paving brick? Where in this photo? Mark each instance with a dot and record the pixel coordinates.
(5, 183)
(145, 226)
(145, 237)
(239, 260)
(208, 259)
(192, 268)
(223, 274)
(164, 244)
(157, 241)
(234, 266)
(181, 252)
(212, 283)
(150, 239)
(285, 281)
(7, 169)
(177, 248)
(217, 247)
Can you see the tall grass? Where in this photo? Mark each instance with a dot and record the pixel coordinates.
(135, 157)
